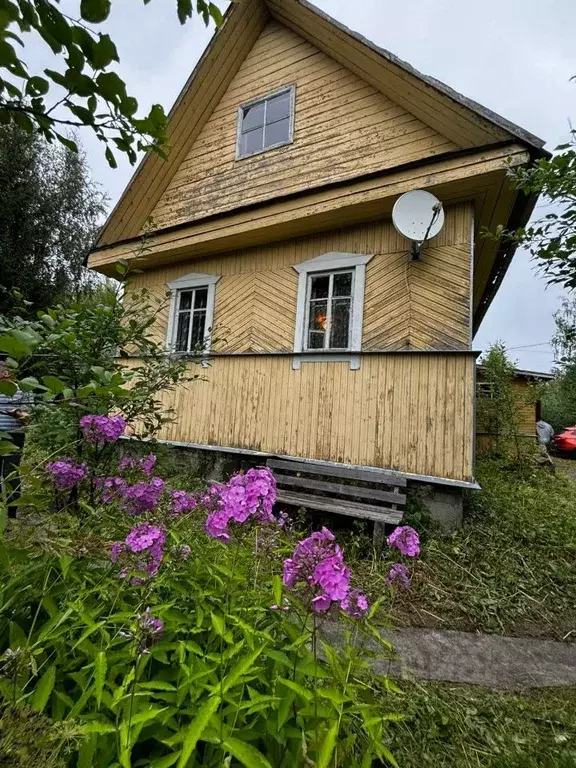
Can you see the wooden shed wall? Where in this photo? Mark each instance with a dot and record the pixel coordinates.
(419, 305)
(344, 128)
(408, 411)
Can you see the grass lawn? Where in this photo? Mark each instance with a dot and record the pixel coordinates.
(450, 726)
(509, 570)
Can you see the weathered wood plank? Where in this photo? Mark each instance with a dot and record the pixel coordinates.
(363, 511)
(340, 488)
(368, 475)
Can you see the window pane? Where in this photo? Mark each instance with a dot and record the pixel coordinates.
(277, 133)
(319, 287)
(318, 315)
(253, 141)
(339, 332)
(316, 340)
(198, 326)
(182, 332)
(342, 284)
(201, 298)
(253, 117)
(278, 108)
(185, 300)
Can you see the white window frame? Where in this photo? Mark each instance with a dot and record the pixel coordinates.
(192, 281)
(331, 262)
(285, 89)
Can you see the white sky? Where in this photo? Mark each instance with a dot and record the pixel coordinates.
(514, 56)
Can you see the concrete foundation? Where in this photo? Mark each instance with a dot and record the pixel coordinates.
(444, 504)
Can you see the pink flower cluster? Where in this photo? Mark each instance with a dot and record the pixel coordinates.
(142, 497)
(144, 540)
(244, 496)
(399, 575)
(406, 539)
(145, 464)
(318, 562)
(100, 430)
(183, 502)
(66, 473)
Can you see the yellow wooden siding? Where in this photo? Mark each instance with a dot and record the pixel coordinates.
(343, 128)
(407, 411)
(422, 305)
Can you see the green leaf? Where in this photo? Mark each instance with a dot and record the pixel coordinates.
(37, 86)
(95, 11)
(196, 729)
(44, 689)
(218, 624)
(87, 751)
(245, 753)
(277, 587)
(240, 668)
(8, 388)
(297, 688)
(110, 158)
(157, 685)
(100, 670)
(103, 52)
(54, 384)
(165, 762)
(15, 346)
(327, 748)
(68, 143)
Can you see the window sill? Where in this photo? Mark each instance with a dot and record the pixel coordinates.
(327, 357)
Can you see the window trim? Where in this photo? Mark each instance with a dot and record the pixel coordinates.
(191, 281)
(291, 88)
(331, 262)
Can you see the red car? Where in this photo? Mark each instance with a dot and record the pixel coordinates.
(565, 441)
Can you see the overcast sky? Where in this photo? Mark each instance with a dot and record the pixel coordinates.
(506, 54)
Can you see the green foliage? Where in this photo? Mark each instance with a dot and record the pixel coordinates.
(508, 570)
(455, 725)
(499, 409)
(68, 360)
(85, 90)
(48, 220)
(552, 239)
(559, 398)
(228, 677)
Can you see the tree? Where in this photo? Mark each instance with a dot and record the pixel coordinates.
(86, 91)
(552, 239)
(49, 217)
(559, 400)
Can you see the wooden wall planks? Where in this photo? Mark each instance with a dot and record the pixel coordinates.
(344, 127)
(421, 305)
(411, 412)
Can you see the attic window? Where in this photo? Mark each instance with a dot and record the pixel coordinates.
(266, 123)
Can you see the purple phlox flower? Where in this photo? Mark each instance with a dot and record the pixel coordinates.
(182, 502)
(102, 429)
(291, 573)
(406, 539)
(321, 603)
(216, 526)
(147, 463)
(126, 462)
(150, 630)
(144, 536)
(66, 473)
(185, 551)
(354, 604)
(142, 497)
(333, 577)
(398, 574)
(113, 488)
(244, 496)
(283, 520)
(117, 548)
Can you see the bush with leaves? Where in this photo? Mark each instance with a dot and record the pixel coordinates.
(159, 623)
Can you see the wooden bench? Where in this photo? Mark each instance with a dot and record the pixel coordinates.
(298, 485)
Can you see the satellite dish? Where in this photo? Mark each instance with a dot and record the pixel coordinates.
(419, 216)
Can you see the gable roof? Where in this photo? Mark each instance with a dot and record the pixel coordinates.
(462, 120)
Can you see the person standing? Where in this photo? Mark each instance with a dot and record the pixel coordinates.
(544, 433)
(13, 418)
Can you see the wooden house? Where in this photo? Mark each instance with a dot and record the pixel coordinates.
(527, 396)
(271, 229)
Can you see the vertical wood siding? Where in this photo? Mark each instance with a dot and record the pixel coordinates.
(344, 128)
(418, 305)
(411, 412)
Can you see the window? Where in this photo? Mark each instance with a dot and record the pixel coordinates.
(266, 123)
(330, 308)
(191, 313)
(486, 389)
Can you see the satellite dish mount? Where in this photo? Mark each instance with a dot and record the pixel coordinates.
(418, 216)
